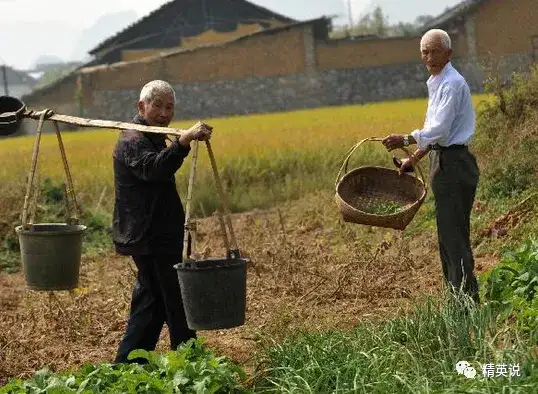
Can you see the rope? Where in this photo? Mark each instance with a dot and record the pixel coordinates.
(190, 227)
(33, 167)
(224, 217)
(70, 190)
(224, 200)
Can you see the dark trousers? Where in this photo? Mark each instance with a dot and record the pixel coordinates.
(156, 299)
(454, 178)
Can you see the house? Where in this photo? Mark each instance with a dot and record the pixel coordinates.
(18, 83)
(295, 65)
(493, 28)
(185, 24)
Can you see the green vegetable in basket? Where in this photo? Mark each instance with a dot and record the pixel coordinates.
(384, 208)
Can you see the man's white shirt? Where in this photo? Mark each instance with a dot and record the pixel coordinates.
(450, 118)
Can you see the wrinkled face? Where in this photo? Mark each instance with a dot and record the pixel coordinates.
(434, 55)
(159, 111)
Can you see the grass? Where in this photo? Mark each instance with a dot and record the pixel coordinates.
(414, 353)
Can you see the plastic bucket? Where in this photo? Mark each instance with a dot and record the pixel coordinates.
(214, 292)
(51, 255)
(11, 111)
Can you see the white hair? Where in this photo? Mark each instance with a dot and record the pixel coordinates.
(156, 88)
(437, 33)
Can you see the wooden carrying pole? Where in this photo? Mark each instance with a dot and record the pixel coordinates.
(109, 124)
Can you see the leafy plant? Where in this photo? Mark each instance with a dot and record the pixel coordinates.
(513, 284)
(191, 369)
(384, 208)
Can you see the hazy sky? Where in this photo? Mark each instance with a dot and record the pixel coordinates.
(30, 28)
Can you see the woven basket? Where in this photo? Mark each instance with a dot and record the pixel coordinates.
(365, 188)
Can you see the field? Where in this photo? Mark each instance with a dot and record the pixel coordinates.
(295, 153)
(332, 307)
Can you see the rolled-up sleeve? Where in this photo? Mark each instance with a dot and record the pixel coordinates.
(440, 121)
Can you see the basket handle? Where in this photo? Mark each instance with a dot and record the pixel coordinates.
(343, 167)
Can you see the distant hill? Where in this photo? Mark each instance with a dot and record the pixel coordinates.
(47, 59)
(103, 28)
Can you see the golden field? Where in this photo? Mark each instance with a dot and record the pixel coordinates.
(291, 153)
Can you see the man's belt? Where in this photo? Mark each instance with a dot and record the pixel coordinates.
(450, 147)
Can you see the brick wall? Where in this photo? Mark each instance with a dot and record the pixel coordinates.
(505, 27)
(367, 53)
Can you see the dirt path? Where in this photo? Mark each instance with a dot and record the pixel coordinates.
(317, 274)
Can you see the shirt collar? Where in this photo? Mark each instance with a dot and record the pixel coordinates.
(155, 138)
(435, 80)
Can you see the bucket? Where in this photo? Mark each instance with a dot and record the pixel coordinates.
(214, 292)
(51, 255)
(11, 111)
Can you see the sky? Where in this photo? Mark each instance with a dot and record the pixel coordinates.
(30, 28)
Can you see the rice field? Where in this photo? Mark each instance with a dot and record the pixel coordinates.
(262, 159)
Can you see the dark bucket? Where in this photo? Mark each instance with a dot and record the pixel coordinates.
(51, 255)
(214, 292)
(11, 111)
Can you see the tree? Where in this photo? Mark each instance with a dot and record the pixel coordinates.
(376, 23)
(379, 22)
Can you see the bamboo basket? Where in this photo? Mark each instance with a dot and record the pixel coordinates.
(363, 188)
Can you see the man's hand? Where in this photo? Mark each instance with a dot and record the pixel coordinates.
(393, 141)
(407, 164)
(200, 131)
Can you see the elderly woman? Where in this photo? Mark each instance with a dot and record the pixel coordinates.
(447, 131)
(149, 220)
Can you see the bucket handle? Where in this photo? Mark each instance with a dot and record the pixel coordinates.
(343, 167)
(224, 217)
(73, 219)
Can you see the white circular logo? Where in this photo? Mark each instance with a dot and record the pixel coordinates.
(469, 372)
(461, 366)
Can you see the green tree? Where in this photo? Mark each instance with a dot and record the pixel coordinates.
(376, 23)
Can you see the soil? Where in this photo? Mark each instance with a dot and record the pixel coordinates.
(313, 275)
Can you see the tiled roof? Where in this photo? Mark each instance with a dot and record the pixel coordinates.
(117, 38)
(452, 13)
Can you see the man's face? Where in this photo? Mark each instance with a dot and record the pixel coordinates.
(434, 55)
(159, 111)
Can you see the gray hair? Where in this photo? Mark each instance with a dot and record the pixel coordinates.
(156, 88)
(437, 33)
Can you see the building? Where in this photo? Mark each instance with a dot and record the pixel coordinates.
(493, 28)
(186, 24)
(18, 82)
(297, 65)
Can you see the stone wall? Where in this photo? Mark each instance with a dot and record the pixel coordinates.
(299, 91)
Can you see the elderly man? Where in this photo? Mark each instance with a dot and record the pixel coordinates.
(149, 220)
(447, 131)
